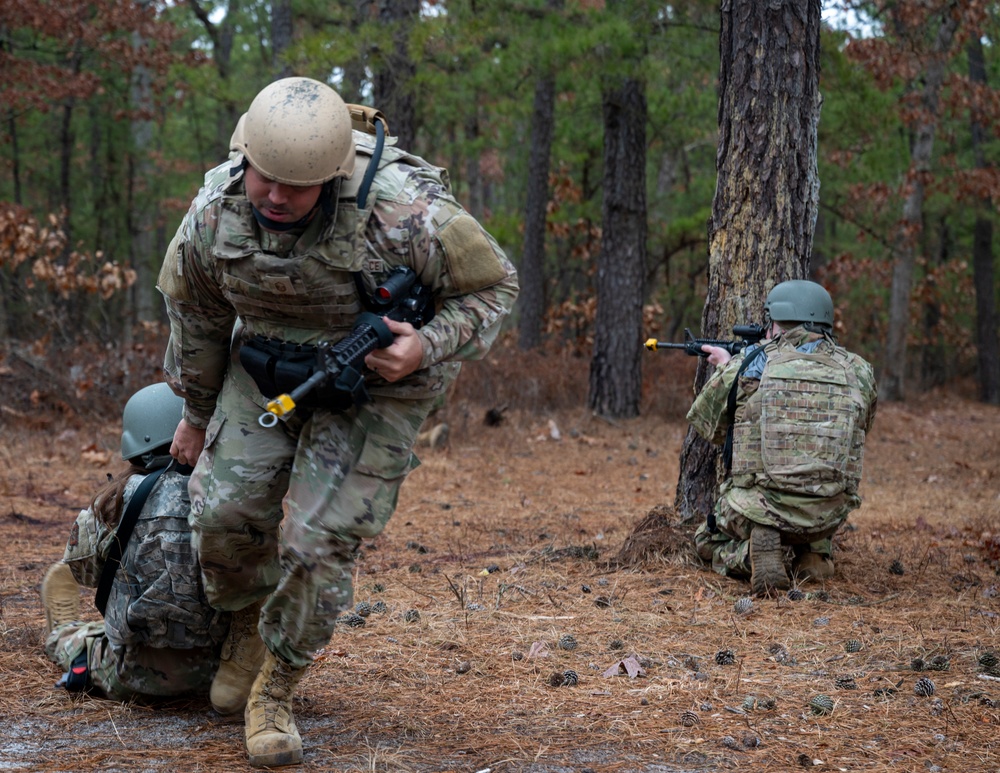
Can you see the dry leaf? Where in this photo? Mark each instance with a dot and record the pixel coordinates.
(537, 650)
(629, 665)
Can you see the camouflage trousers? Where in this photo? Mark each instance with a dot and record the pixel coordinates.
(728, 548)
(124, 673)
(278, 513)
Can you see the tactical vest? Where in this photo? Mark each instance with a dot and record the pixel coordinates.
(800, 432)
(157, 597)
(314, 292)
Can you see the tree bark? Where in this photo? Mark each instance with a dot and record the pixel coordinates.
(767, 191)
(394, 79)
(282, 30)
(532, 270)
(616, 366)
(983, 276)
(892, 383)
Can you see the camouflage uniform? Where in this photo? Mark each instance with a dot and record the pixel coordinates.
(159, 636)
(749, 496)
(328, 479)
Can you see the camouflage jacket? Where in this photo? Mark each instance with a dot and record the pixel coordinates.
(225, 279)
(157, 597)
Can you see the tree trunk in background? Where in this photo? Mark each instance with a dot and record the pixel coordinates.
(475, 197)
(146, 302)
(531, 301)
(767, 192)
(892, 383)
(983, 276)
(616, 367)
(394, 80)
(282, 30)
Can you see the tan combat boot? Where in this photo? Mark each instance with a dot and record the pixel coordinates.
(813, 566)
(60, 596)
(240, 661)
(766, 561)
(271, 736)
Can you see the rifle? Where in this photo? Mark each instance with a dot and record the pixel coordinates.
(747, 334)
(401, 298)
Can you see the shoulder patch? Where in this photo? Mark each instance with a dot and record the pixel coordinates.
(472, 262)
(172, 282)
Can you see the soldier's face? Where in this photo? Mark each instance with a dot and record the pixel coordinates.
(279, 201)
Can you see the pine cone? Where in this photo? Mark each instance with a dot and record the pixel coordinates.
(743, 605)
(567, 642)
(352, 620)
(363, 608)
(616, 644)
(796, 595)
(845, 683)
(411, 616)
(896, 568)
(570, 678)
(917, 664)
(379, 608)
(923, 687)
(725, 657)
(989, 663)
(689, 719)
(852, 645)
(821, 704)
(939, 663)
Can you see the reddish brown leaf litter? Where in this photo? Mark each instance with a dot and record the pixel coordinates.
(520, 539)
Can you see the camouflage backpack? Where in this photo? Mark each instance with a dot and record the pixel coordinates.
(801, 431)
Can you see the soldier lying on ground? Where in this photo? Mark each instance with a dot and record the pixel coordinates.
(793, 413)
(159, 636)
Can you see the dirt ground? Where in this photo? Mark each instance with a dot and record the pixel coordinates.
(504, 544)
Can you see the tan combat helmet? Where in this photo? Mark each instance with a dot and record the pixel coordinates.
(298, 132)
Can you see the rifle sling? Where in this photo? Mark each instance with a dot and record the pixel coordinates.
(122, 535)
(727, 449)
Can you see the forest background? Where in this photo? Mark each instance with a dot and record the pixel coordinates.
(112, 110)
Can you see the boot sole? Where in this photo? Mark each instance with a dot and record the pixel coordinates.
(276, 759)
(767, 566)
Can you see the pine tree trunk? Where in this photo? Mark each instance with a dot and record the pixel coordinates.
(983, 273)
(767, 193)
(394, 79)
(531, 301)
(616, 366)
(892, 383)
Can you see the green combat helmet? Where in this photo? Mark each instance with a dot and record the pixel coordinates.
(148, 422)
(802, 302)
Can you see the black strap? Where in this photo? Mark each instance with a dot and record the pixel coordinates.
(727, 449)
(77, 679)
(122, 535)
(366, 181)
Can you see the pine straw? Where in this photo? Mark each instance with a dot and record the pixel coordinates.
(459, 689)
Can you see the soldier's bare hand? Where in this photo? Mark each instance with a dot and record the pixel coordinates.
(187, 444)
(716, 354)
(402, 356)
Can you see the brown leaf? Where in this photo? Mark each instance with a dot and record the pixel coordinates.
(629, 665)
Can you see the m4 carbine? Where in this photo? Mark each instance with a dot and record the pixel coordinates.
(401, 298)
(747, 335)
